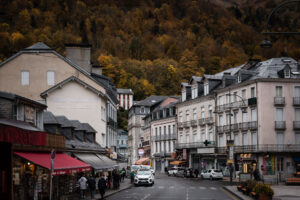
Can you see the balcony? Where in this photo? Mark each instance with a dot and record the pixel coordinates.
(146, 143)
(209, 120)
(252, 102)
(267, 148)
(157, 138)
(280, 125)
(193, 145)
(296, 125)
(186, 124)
(122, 146)
(201, 122)
(253, 125)
(219, 108)
(194, 123)
(279, 101)
(235, 105)
(180, 124)
(227, 128)
(220, 129)
(235, 127)
(243, 126)
(296, 101)
(227, 107)
(173, 136)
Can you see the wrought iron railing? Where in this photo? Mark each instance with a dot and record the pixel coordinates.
(194, 145)
(253, 125)
(209, 120)
(201, 121)
(296, 101)
(280, 125)
(280, 101)
(194, 123)
(296, 125)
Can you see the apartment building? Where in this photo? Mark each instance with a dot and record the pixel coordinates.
(163, 134)
(257, 111)
(196, 125)
(136, 115)
(125, 97)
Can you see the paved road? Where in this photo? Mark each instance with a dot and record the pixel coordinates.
(175, 188)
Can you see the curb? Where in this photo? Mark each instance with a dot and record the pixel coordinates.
(125, 188)
(234, 194)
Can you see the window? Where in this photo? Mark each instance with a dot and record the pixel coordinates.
(253, 138)
(235, 117)
(227, 98)
(51, 78)
(239, 78)
(142, 110)
(165, 130)
(220, 120)
(278, 91)
(245, 138)
(169, 145)
(235, 97)
(194, 114)
(187, 113)
(210, 111)
(220, 100)
(221, 141)
(156, 132)
(244, 117)
(252, 92)
(279, 137)
(280, 163)
(174, 129)
(206, 89)
(183, 95)
(210, 133)
(174, 147)
(165, 148)
(236, 139)
(297, 91)
(202, 112)
(297, 114)
(180, 117)
(228, 119)
(187, 137)
(181, 138)
(194, 137)
(287, 72)
(25, 77)
(253, 115)
(203, 135)
(194, 92)
(279, 114)
(156, 147)
(244, 94)
(297, 138)
(169, 129)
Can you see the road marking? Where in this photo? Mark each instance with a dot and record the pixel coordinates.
(202, 188)
(192, 187)
(213, 188)
(145, 197)
(161, 187)
(187, 194)
(171, 187)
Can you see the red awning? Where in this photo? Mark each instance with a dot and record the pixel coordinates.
(63, 164)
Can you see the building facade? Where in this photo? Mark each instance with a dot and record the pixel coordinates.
(122, 143)
(125, 97)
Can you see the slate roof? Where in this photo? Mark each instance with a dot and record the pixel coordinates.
(152, 100)
(232, 71)
(196, 78)
(214, 77)
(64, 122)
(124, 91)
(78, 126)
(88, 128)
(183, 84)
(18, 124)
(49, 118)
(38, 46)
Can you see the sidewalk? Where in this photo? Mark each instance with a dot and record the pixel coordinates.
(123, 186)
(281, 192)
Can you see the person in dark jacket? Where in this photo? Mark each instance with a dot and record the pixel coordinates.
(196, 173)
(92, 186)
(102, 186)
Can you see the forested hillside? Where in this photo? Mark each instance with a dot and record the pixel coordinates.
(151, 45)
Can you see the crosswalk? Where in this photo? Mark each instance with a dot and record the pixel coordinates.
(161, 187)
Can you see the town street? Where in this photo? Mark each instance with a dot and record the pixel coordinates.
(176, 188)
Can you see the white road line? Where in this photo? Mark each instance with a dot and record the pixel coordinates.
(202, 188)
(145, 197)
(192, 187)
(213, 188)
(161, 187)
(187, 194)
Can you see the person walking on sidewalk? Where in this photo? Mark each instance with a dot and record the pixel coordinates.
(92, 186)
(102, 186)
(82, 185)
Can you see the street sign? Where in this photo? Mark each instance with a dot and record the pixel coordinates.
(141, 152)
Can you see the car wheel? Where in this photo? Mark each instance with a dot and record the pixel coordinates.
(211, 178)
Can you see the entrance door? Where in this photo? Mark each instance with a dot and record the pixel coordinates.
(157, 166)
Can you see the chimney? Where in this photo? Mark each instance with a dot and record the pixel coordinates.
(80, 54)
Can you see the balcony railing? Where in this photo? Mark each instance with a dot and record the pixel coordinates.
(227, 106)
(243, 126)
(194, 123)
(186, 124)
(235, 127)
(267, 148)
(201, 122)
(296, 125)
(280, 125)
(192, 145)
(279, 101)
(296, 101)
(253, 125)
(209, 120)
(220, 129)
(146, 143)
(227, 128)
(122, 146)
(180, 124)
(219, 108)
(173, 136)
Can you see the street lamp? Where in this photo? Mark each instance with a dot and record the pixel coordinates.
(267, 43)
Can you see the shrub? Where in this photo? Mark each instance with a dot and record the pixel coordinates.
(262, 188)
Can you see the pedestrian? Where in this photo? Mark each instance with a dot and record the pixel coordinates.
(82, 185)
(124, 174)
(131, 176)
(102, 186)
(92, 186)
(256, 174)
(121, 175)
(108, 180)
(196, 173)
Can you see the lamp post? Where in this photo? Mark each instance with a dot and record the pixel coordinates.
(267, 43)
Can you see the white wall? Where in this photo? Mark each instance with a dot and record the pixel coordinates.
(78, 103)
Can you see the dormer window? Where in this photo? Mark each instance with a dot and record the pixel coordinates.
(142, 110)
(183, 95)
(194, 92)
(206, 89)
(287, 73)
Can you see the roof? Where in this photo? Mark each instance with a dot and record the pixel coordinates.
(11, 96)
(150, 101)
(38, 46)
(49, 118)
(124, 91)
(88, 128)
(18, 124)
(196, 78)
(63, 121)
(78, 126)
(68, 80)
(214, 77)
(231, 71)
(183, 84)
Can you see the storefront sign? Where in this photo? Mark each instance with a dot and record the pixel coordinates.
(141, 152)
(206, 150)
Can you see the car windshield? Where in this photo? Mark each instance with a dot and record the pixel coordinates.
(145, 167)
(217, 170)
(143, 173)
(135, 167)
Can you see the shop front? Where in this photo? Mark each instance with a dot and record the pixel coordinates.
(31, 175)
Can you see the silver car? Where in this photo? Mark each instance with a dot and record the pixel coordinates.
(143, 177)
(212, 174)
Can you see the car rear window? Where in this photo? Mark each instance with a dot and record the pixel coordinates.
(218, 170)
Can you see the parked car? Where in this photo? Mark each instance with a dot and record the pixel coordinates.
(172, 171)
(212, 174)
(147, 167)
(144, 177)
